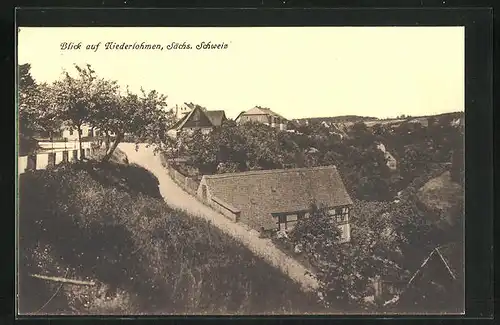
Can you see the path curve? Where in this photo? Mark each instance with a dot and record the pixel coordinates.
(177, 198)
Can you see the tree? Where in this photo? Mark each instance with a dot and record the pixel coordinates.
(48, 118)
(37, 112)
(144, 116)
(346, 270)
(75, 98)
(31, 109)
(27, 100)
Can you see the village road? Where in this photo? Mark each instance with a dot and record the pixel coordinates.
(178, 198)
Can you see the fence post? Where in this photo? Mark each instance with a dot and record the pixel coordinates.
(31, 164)
(82, 154)
(51, 159)
(75, 155)
(65, 156)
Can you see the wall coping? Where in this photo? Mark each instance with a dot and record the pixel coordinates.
(226, 205)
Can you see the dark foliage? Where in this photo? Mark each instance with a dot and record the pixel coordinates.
(105, 222)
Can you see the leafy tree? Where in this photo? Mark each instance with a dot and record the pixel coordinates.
(27, 89)
(346, 270)
(144, 116)
(88, 99)
(36, 109)
(75, 98)
(48, 119)
(37, 113)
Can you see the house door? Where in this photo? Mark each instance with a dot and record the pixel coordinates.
(204, 192)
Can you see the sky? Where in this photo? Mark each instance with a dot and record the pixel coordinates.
(296, 71)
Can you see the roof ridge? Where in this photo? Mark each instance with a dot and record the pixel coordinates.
(270, 171)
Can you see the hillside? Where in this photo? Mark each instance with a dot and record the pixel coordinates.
(108, 224)
(442, 196)
(349, 120)
(335, 119)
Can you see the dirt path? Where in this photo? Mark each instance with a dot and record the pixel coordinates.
(176, 197)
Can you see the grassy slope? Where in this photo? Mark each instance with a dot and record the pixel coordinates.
(440, 194)
(108, 223)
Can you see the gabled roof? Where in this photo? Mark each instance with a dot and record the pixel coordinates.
(215, 117)
(258, 194)
(451, 257)
(179, 122)
(237, 117)
(261, 111)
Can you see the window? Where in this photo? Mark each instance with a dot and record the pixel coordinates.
(287, 222)
(339, 215)
(281, 222)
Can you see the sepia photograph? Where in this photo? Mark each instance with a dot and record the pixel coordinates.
(240, 170)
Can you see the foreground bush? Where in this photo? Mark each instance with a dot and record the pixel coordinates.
(107, 223)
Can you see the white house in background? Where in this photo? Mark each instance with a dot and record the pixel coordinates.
(71, 134)
(262, 115)
(182, 110)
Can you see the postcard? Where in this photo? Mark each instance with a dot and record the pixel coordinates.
(241, 170)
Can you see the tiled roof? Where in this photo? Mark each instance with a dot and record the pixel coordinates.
(261, 111)
(259, 193)
(216, 117)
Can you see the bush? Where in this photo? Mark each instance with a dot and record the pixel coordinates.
(107, 222)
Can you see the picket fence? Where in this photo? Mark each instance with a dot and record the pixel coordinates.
(47, 160)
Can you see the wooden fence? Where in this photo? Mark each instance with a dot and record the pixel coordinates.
(51, 159)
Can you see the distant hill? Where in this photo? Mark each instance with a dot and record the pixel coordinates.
(450, 117)
(335, 119)
(372, 120)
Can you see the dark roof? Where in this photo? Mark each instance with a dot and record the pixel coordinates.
(452, 256)
(179, 122)
(259, 193)
(216, 117)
